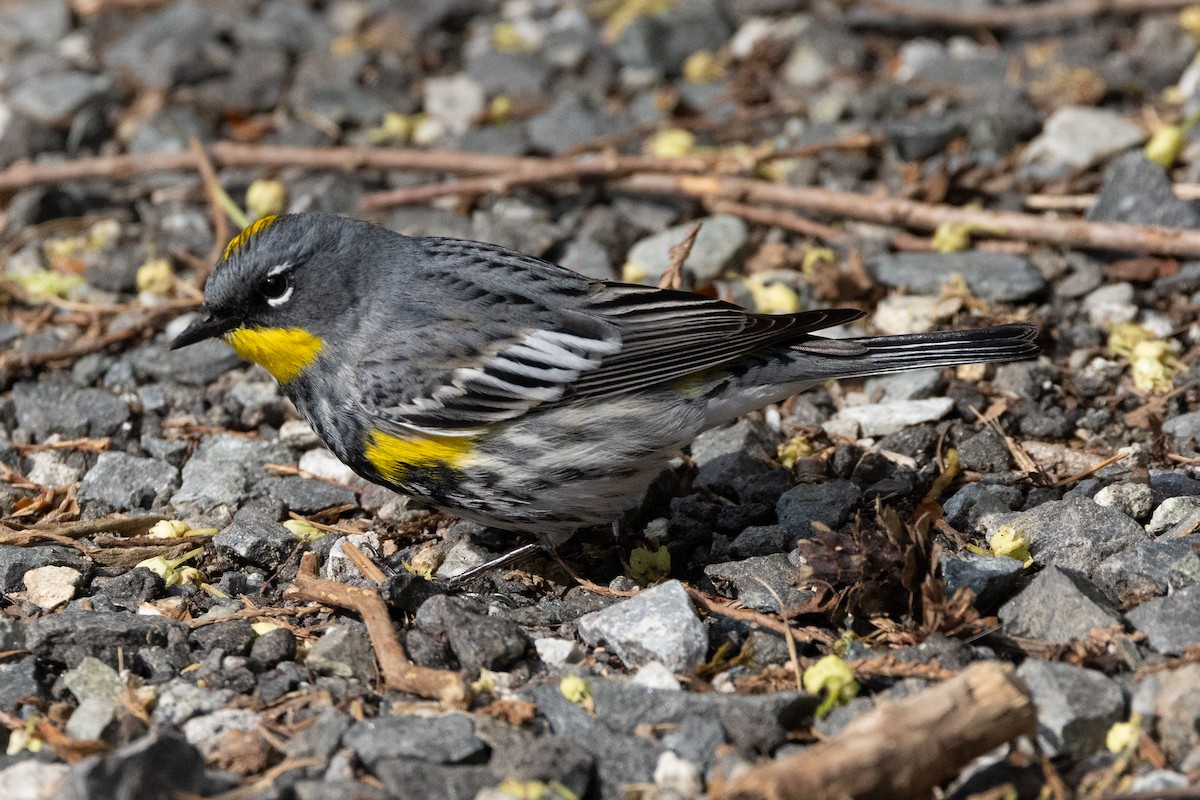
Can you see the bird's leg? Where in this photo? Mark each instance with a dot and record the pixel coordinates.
(511, 557)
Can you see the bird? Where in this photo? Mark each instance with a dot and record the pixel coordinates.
(511, 391)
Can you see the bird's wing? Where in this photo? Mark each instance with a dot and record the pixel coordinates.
(488, 356)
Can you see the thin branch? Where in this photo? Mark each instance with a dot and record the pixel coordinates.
(945, 15)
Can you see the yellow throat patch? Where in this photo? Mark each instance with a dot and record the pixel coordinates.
(239, 241)
(283, 352)
(393, 456)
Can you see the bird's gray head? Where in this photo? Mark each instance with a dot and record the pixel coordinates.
(288, 285)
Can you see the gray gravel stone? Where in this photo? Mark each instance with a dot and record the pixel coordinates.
(1150, 568)
(18, 679)
(985, 452)
(1171, 623)
(1134, 500)
(478, 640)
(124, 482)
(1171, 512)
(716, 249)
(1171, 701)
(52, 99)
(1167, 484)
(16, 561)
(998, 277)
(915, 385)
(195, 365)
(154, 766)
(222, 470)
(1075, 706)
(975, 506)
(448, 739)
(570, 121)
(33, 22)
(1139, 192)
(1184, 429)
(410, 777)
(658, 624)
(727, 454)
(46, 407)
(255, 540)
(1077, 137)
(740, 580)
(992, 579)
(829, 502)
(761, 540)
(1058, 606)
(881, 419)
(70, 636)
(306, 495)
(93, 678)
(343, 651)
(166, 47)
(1076, 533)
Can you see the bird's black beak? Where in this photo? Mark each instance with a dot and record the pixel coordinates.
(201, 329)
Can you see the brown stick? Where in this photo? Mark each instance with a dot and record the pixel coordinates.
(398, 672)
(212, 187)
(949, 16)
(778, 219)
(923, 216)
(904, 749)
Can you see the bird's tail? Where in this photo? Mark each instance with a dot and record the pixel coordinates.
(878, 355)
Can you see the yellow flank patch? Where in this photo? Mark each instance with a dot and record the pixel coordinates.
(393, 456)
(258, 226)
(283, 352)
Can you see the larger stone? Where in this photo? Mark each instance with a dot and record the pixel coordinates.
(1075, 706)
(45, 408)
(829, 503)
(719, 242)
(223, 469)
(880, 419)
(1172, 623)
(999, 277)
(124, 482)
(1058, 606)
(658, 624)
(1074, 138)
(448, 739)
(1076, 533)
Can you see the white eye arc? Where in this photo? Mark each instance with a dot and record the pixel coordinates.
(277, 287)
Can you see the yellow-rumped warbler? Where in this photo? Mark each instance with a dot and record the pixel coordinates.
(512, 391)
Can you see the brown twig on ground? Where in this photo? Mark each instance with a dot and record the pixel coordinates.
(779, 219)
(904, 749)
(365, 565)
(255, 613)
(672, 277)
(725, 609)
(997, 18)
(212, 188)
(900, 212)
(398, 672)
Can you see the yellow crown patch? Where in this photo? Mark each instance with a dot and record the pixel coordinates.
(239, 241)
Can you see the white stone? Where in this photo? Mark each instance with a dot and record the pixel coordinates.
(456, 101)
(880, 419)
(50, 587)
(556, 653)
(655, 675)
(324, 464)
(1110, 305)
(1074, 138)
(33, 780)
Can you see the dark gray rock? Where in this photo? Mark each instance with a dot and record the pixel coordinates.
(321, 789)
(1171, 701)
(1150, 568)
(255, 540)
(740, 580)
(985, 452)
(322, 738)
(1166, 484)
(70, 636)
(918, 138)
(761, 540)
(124, 482)
(129, 589)
(306, 495)
(231, 637)
(448, 739)
(663, 41)
(1171, 623)
(154, 767)
(174, 45)
(1077, 533)
(38, 23)
(1184, 430)
(992, 579)
(18, 679)
(569, 122)
(408, 777)
(223, 470)
(998, 277)
(53, 98)
(16, 561)
(1027, 379)
(829, 503)
(343, 651)
(272, 647)
(972, 506)
(45, 408)
(1058, 606)
(659, 624)
(1139, 192)
(728, 454)
(479, 641)
(93, 678)
(196, 365)
(718, 245)
(1075, 706)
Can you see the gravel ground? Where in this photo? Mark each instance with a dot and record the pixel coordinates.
(1043, 514)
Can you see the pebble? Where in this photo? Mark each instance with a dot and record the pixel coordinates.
(45, 408)
(557, 653)
(729, 453)
(124, 482)
(658, 624)
(255, 541)
(50, 468)
(980, 507)
(156, 765)
(1137, 191)
(1074, 138)
(881, 419)
(1058, 606)
(1171, 512)
(16, 561)
(716, 249)
(219, 473)
(446, 739)
(991, 578)
(457, 101)
(1131, 499)
(916, 384)
(655, 675)
(478, 640)
(298, 434)
(1171, 623)
(1110, 305)
(1076, 533)
(50, 587)
(343, 651)
(742, 580)
(1075, 706)
(829, 502)
(997, 277)
(1150, 568)
(53, 99)
(1170, 700)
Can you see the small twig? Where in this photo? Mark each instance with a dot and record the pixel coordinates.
(398, 672)
(724, 609)
(363, 562)
(996, 18)
(672, 277)
(778, 219)
(255, 613)
(212, 188)
(788, 638)
(1090, 471)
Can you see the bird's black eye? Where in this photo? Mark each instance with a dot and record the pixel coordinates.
(276, 288)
